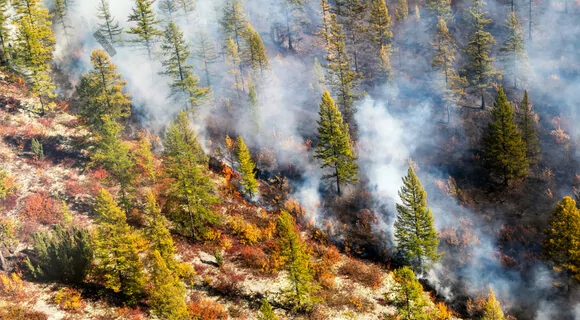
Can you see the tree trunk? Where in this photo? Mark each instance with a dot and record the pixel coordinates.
(482, 101)
(3, 264)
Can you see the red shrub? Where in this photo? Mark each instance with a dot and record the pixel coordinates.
(254, 258)
(229, 283)
(204, 309)
(42, 208)
(356, 270)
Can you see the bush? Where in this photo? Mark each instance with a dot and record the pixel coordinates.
(37, 149)
(369, 276)
(11, 286)
(12, 312)
(204, 309)
(7, 186)
(69, 300)
(63, 254)
(249, 232)
(42, 208)
(229, 283)
(254, 258)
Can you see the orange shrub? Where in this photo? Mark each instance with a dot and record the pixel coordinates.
(13, 312)
(229, 283)
(254, 258)
(11, 286)
(42, 208)
(356, 270)
(69, 299)
(204, 309)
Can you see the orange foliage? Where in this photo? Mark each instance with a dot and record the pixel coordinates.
(204, 309)
(356, 270)
(42, 208)
(254, 258)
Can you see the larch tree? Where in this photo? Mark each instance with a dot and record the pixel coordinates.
(34, 43)
(186, 7)
(479, 69)
(385, 70)
(184, 82)
(505, 151)
(266, 311)
(234, 61)
(513, 51)
(335, 148)
(146, 31)
(107, 24)
(409, 296)
(528, 123)
(444, 46)
(158, 234)
(233, 23)
(325, 11)
(117, 249)
(247, 168)
(191, 193)
(562, 243)
(402, 11)
(204, 50)
(169, 9)
(292, 12)
(355, 28)
(297, 261)
(415, 233)
(442, 8)
(256, 55)
(167, 293)
(4, 27)
(61, 16)
(340, 75)
(101, 92)
(380, 24)
(492, 308)
(318, 78)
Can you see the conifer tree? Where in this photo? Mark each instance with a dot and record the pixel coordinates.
(335, 148)
(204, 50)
(415, 233)
(117, 250)
(341, 76)
(234, 61)
(402, 11)
(146, 30)
(528, 123)
(505, 151)
(318, 78)
(513, 47)
(191, 192)
(184, 81)
(479, 69)
(492, 308)
(256, 52)
(385, 69)
(34, 42)
(247, 167)
(297, 262)
(442, 8)
(417, 13)
(325, 15)
(101, 92)
(380, 23)
(444, 50)
(61, 12)
(562, 243)
(159, 237)
(169, 9)
(167, 294)
(409, 296)
(234, 21)
(355, 27)
(266, 311)
(254, 108)
(4, 27)
(292, 13)
(187, 7)
(107, 25)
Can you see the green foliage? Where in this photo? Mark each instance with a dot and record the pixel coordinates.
(107, 24)
(234, 20)
(184, 81)
(319, 79)
(292, 13)
(505, 151)
(234, 61)
(415, 231)
(37, 149)
(256, 52)
(297, 261)
(562, 243)
(63, 254)
(528, 124)
(117, 249)
(335, 148)
(513, 47)
(101, 92)
(169, 9)
(167, 294)
(492, 308)
(204, 50)
(355, 27)
(409, 297)
(266, 311)
(402, 11)
(219, 258)
(191, 192)
(442, 8)
(247, 168)
(444, 46)
(380, 23)
(146, 31)
(254, 107)
(61, 12)
(4, 27)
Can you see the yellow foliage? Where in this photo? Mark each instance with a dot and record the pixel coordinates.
(442, 312)
(225, 243)
(69, 299)
(11, 285)
(212, 235)
(249, 232)
(268, 232)
(356, 303)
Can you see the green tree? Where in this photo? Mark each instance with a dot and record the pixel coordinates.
(204, 50)
(37, 149)
(4, 27)
(187, 7)
(266, 311)
(117, 250)
(247, 167)
(34, 43)
(380, 23)
(528, 123)
(184, 81)
(254, 108)
(256, 52)
(107, 25)
(292, 12)
(513, 47)
(191, 192)
(319, 78)
(492, 308)
(64, 254)
(479, 69)
(505, 151)
(335, 148)
(355, 27)
(341, 77)
(167, 294)
(562, 243)
(442, 8)
(61, 12)
(101, 92)
(169, 9)
(409, 297)
(444, 46)
(297, 262)
(402, 11)
(234, 21)
(146, 31)
(415, 233)
(324, 32)
(234, 62)
(159, 237)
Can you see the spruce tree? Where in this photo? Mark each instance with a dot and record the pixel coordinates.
(34, 43)
(167, 294)
(492, 308)
(505, 151)
(528, 123)
(146, 30)
(335, 148)
(4, 28)
(479, 69)
(191, 193)
(415, 233)
(266, 311)
(107, 24)
(562, 243)
(101, 92)
(340, 75)
(184, 81)
(256, 51)
(204, 51)
(247, 167)
(409, 296)
(513, 48)
(297, 261)
(117, 250)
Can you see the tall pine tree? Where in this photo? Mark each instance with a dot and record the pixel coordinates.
(380, 23)
(233, 23)
(247, 167)
(169, 9)
(146, 30)
(107, 24)
(528, 123)
(513, 48)
(335, 148)
(256, 51)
